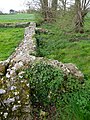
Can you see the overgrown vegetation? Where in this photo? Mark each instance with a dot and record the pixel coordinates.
(56, 97)
(63, 44)
(71, 99)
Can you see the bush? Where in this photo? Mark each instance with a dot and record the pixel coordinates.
(45, 82)
(49, 87)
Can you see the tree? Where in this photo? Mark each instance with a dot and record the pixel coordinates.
(81, 8)
(44, 7)
(64, 3)
(1, 13)
(54, 4)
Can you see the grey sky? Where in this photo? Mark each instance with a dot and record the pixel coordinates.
(6, 5)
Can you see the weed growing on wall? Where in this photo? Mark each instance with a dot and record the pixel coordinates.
(60, 97)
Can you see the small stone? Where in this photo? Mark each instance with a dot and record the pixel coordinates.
(21, 63)
(8, 70)
(1, 113)
(18, 65)
(5, 115)
(2, 91)
(9, 100)
(7, 75)
(16, 93)
(21, 73)
(20, 76)
(22, 81)
(2, 79)
(13, 87)
(75, 71)
(28, 85)
(17, 97)
(2, 69)
(28, 96)
(15, 107)
(13, 68)
(12, 73)
(19, 101)
(42, 113)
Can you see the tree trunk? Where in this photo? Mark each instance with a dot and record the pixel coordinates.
(44, 6)
(79, 19)
(54, 9)
(54, 4)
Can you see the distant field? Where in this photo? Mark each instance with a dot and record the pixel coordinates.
(17, 18)
(9, 39)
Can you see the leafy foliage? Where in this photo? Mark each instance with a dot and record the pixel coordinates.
(62, 44)
(49, 87)
(44, 82)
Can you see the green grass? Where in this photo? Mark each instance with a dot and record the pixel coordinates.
(11, 37)
(63, 44)
(17, 18)
(67, 46)
(9, 40)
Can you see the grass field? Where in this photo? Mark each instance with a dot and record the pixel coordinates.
(16, 18)
(9, 39)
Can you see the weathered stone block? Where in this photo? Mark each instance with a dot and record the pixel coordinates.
(2, 69)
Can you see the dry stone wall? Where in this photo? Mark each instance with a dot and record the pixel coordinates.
(12, 25)
(14, 89)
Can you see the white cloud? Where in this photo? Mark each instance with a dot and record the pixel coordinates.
(6, 5)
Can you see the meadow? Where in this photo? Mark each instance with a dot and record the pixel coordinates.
(9, 40)
(11, 37)
(14, 18)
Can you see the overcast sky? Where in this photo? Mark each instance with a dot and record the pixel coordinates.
(6, 5)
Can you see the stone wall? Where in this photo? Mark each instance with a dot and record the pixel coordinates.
(14, 93)
(14, 89)
(12, 25)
